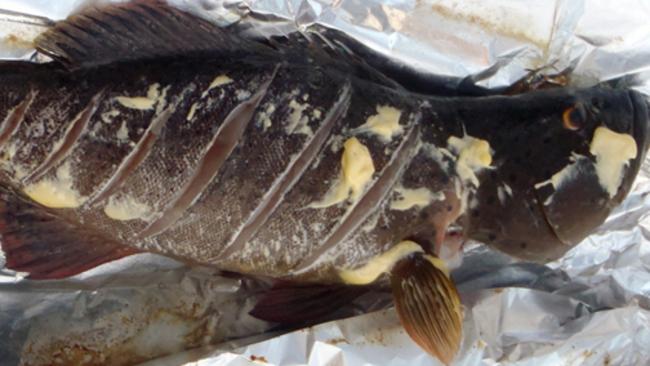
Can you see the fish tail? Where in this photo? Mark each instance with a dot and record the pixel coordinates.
(47, 246)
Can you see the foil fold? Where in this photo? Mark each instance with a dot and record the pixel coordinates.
(591, 307)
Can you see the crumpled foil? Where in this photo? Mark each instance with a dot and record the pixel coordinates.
(591, 307)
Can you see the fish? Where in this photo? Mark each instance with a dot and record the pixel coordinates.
(151, 130)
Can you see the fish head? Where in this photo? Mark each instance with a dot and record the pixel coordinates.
(562, 160)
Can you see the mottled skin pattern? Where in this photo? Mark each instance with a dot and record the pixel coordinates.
(526, 135)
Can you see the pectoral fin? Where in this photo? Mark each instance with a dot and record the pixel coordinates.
(290, 303)
(428, 305)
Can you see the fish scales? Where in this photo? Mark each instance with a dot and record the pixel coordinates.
(262, 155)
(288, 237)
(257, 164)
(420, 222)
(40, 129)
(98, 151)
(174, 156)
(17, 101)
(295, 229)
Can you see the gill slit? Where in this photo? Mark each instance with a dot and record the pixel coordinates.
(13, 118)
(223, 143)
(372, 198)
(71, 136)
(291, 175)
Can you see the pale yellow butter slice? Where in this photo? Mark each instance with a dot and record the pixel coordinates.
(473, 154)
(613, 151)
(384, 124)
(56, 192)
(357, 169)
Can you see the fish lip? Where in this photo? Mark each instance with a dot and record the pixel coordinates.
(641, 110)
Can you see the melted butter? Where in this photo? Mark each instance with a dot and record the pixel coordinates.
(123, 132)
(357, 169)
(472, 154)
(409, 198)
(56, 192)
(142, 103)
(379, 264)
(217, 82)
(298, 121)
(384, 124)
(265, 117)
(220, 81)
(384, 262)
(126, 208)
(190, 114)
(613, 151)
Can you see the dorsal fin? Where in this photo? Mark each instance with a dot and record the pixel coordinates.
(140, 29)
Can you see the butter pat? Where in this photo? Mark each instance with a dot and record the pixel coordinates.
(219, 81)
(384, 124)
(142, 103)
(613, 151)
(126, 208)
(472, 154)
(409, 198)
(379, 264)
(357, 169)
(56, 192)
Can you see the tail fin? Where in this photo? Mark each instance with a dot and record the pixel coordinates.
(47, 246)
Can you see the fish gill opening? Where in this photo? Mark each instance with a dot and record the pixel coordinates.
(68, 140)
(372, 198)
(223, 143)
(540, 206)
(292, 174)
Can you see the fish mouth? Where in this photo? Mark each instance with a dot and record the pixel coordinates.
(641, 107)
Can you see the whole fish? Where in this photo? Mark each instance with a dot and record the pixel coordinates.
(154, 131)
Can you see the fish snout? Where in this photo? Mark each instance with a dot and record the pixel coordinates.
(641, 105)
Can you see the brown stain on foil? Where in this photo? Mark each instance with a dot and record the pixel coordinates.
(78, 351)
(16, 41)
(607, 361)
(490, 26)
(260, 359)
(335, 341)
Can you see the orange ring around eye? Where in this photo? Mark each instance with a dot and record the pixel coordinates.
(568, 122)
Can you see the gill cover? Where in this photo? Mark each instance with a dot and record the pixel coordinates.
(563, 160)
(580, 196)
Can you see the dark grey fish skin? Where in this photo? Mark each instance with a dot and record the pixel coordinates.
(229, 172)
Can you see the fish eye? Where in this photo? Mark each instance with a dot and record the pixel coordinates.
(575, 117)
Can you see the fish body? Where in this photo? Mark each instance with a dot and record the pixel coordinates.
(239, 165)
(292, 169)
